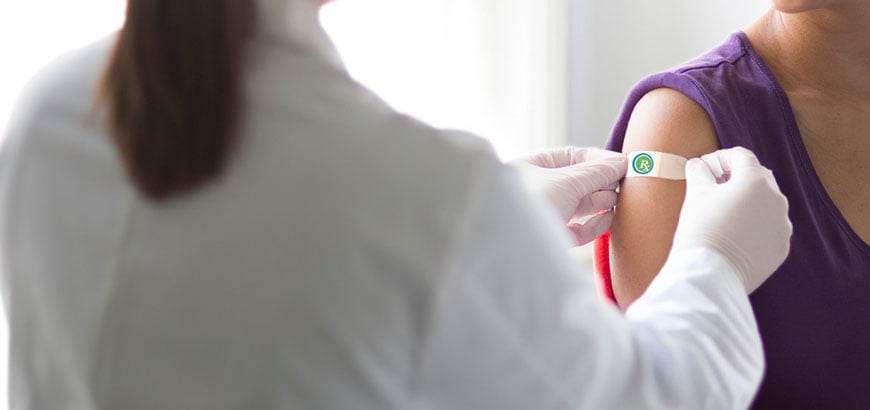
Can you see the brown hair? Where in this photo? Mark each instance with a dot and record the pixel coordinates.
(174, 90)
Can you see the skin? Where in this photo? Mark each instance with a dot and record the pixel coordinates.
(820, 53)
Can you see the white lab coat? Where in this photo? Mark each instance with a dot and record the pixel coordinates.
(350, 258)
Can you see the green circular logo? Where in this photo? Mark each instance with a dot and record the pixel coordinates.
(642, 164)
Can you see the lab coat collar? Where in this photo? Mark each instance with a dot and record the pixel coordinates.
(297, 22)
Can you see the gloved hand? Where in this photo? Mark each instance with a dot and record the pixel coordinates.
(734, 206)
(578, 182)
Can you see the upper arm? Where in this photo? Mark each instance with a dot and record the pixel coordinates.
(647, 211)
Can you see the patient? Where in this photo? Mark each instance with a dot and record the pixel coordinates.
(794, 89)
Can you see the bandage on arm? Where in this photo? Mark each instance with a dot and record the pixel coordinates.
(643, 164)
(653, 164)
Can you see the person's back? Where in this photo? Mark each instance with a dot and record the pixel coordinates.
(242, 278)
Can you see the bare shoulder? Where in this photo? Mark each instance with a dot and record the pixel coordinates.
(647, 211)
(667, 120)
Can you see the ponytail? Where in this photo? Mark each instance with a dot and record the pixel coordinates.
(174, 90)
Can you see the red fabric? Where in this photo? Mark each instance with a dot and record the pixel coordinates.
(601, 263)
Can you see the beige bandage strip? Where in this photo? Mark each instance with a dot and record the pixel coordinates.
(656, 165)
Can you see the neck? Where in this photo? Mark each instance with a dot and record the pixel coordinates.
(296, 21)
(824, 50)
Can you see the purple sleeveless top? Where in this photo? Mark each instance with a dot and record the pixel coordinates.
(814, 312)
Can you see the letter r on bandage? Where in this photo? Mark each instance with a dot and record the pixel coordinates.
(656, 165)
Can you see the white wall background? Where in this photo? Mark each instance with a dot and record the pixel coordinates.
(33, 32)
(615, 43)
(493, 67)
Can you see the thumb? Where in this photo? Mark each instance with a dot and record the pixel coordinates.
(592, 228)
(698, 174)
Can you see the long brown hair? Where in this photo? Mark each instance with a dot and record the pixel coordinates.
(174, 89)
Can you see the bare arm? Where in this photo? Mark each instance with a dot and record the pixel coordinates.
(648, 208)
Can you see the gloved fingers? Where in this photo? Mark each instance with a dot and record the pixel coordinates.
(592, 228)
(596, 202)
(581, 155)
(698, 173)
(724, 162)
(547, 159)
(588, 177)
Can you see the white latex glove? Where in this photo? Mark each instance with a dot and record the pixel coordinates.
(734, 206)
(578, 182)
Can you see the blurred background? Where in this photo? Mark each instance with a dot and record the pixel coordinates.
(525, 74)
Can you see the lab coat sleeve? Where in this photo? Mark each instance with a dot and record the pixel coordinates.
(513, 326)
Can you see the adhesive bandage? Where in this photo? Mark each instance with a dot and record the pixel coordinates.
(656, 165)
